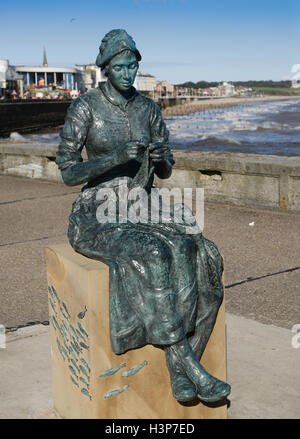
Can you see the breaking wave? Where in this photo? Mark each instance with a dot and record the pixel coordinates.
(260, 127)
(211, 140)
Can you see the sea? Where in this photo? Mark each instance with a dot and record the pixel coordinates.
(268, 127)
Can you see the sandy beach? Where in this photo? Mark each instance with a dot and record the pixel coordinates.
(207, 104)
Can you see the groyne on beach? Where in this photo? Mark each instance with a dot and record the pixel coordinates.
(195, 106)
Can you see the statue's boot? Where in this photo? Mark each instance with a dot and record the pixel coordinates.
(182, 388)
(208, 388)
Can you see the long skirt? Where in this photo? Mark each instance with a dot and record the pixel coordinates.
(164, 284)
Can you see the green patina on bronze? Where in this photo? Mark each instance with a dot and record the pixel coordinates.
(80, 335)
(66, 310)
(74, 332)
(82, 330)
(86, 393)
(73, 371)
(165, 284)
(55, 322)
(55, 293)
(116, 392)
(81, 315)
(84, 382)
(84, 371)
(84, 346)
(134, 370)
(75, 365)
(85, 364)
(69, 346)
(74, 382)
(112, 371)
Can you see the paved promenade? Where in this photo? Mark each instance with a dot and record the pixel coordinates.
(262, 278)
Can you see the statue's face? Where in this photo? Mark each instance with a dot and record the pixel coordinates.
(122, 70)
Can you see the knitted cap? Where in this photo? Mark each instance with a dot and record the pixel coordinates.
(113, 43)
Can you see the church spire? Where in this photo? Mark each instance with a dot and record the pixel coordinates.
(45, 62)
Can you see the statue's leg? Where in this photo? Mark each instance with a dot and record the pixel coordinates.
(184, 255)
(182, 387)
(210, 296)
(209, 269)
(208, 388)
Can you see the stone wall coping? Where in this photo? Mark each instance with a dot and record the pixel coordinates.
(189, 160)
(39, 149)
(236, 162)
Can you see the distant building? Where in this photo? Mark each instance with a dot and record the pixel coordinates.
(244, 91)
(181, 91)
(11, 83)
(67, 78)
(164, 88)
(145, 83)
(226, 89)
(92, 75)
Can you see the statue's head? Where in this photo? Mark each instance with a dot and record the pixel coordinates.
(119, 57)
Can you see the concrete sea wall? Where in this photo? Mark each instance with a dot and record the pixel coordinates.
(242, 179)
(23, 160)
(263, 181)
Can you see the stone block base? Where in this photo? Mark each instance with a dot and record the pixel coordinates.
(78, 290)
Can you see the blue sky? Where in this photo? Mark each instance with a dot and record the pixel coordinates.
(179, 40)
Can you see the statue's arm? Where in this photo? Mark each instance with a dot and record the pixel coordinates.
(162, 156)
(73, 136)
(83, 172)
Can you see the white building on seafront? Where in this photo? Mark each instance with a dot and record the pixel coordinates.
(227, 89)
(145, 83)
(80, 78)
(92, 75)
(67, 78)
(10, 81)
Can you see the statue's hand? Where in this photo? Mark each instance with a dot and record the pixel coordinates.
(132, 151)
(159, 152)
